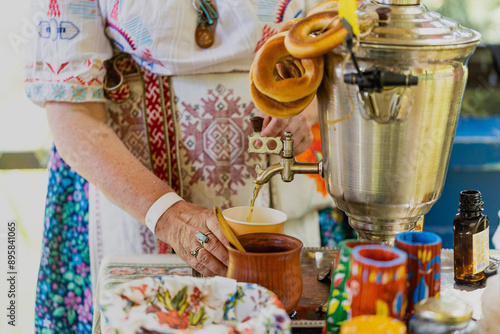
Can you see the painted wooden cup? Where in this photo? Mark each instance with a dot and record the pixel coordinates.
(423, 268)
(373, 324)
(339, 304)
(377, 281)
(271, 260)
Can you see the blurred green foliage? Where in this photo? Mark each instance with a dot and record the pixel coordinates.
(482, 95)
(480, 15)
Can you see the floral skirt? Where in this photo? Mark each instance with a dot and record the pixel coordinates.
(64, 293)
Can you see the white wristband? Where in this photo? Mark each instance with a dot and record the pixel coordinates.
(159, 207)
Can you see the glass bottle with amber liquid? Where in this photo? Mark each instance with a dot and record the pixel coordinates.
(470, 239)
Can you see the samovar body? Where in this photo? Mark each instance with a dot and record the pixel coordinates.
(386, 148)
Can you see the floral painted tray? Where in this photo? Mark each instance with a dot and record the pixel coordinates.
(118, 269)
(176, 304)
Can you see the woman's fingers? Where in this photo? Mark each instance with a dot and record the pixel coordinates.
(179, 228)
(217, 242)
(217, 249)
(274, 127)
(298, 125)
(213, 255)
(207, 262)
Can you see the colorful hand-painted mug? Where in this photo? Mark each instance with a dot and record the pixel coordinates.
(377, 281)
(373, 324)
(423, 269)
(339, 303)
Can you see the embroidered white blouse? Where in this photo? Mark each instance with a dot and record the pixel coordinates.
(65, 59)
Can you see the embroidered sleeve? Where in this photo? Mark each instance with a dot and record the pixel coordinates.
(65, 58)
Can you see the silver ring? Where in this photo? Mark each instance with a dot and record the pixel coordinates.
(196, 250)
(202, 237)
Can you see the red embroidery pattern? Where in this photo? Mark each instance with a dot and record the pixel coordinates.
(120, 93)
(267, 32)
(124, 34)
(158, 128)
(149, 241)
(215, 143)
(97, 65)
(146, 54)
(281, 10)
(63, 65)
(125, 65)
(155, 123)
(53, 9)
(114, 11)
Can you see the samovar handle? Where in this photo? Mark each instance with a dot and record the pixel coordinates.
(259, 144)
(396, 107)
(287, 166)
(375, 82)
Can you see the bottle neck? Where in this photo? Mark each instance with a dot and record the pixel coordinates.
(470, 214)
(470, 202)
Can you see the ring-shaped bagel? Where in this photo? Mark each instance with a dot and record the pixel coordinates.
(278, 109)
(287, 90)
(289, 24)
(301, 41)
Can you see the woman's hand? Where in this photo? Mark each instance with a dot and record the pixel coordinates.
(300, 125)
(178, 227)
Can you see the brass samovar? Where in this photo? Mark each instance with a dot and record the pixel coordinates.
(389, 105)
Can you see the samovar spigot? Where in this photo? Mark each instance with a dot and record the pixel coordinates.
(287, 166)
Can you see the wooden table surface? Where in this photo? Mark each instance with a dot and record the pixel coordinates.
(309, 318)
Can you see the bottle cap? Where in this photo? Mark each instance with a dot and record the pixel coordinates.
(470, 200)
(440, 309)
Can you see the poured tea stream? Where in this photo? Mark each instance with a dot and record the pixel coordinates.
(256, 191)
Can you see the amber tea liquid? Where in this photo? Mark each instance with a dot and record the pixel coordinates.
(256, 191)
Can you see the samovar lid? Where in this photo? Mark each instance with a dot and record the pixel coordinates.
(410, 23)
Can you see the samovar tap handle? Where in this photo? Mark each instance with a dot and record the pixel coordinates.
(257, 123)
(259, 144)
(288, 166)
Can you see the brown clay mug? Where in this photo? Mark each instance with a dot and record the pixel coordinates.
(271, 260)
